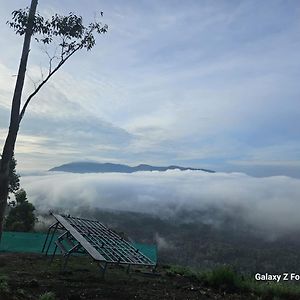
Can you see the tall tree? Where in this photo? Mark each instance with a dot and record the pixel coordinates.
(66, 34)
(10, 141)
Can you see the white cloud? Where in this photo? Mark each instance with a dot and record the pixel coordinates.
(7, 81)
(270, 204)
(181, 80)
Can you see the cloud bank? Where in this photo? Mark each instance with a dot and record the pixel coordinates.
(271, 204)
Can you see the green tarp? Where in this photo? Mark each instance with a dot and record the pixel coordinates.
(28, 242)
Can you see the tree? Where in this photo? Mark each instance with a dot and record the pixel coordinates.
(67, 35)
(14, 178)
(21, 217)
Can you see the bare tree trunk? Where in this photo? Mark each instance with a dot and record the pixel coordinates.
(10, 141)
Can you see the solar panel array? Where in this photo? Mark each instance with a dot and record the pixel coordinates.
(111, 247)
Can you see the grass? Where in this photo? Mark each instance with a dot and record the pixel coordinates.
(82, 274)
(183, 271)
(224, 278)
(274, 290)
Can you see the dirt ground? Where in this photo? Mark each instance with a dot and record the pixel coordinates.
(30, 276)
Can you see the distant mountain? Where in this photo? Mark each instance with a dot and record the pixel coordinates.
(94, 167)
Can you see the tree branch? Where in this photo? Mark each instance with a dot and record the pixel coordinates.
(62, 61)
(42, 74)
(45, 80)
(32, 81)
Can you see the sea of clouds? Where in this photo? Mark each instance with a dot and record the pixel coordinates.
(271, 203)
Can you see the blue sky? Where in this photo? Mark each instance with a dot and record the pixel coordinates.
(211, 84)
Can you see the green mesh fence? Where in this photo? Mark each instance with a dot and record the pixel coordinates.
(28, 242)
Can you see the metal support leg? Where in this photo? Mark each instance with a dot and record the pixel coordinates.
(103, 269)
(51, 239)
(154, 269)
(128, 269)
(46, 240)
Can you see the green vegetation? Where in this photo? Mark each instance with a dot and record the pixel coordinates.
(274, 290)
(3, 284)
(192, 242)
(21, 292)
(14, 178)
(83, 278)
(224, 278)
(183, 271)
(47, 296)
(21, 217)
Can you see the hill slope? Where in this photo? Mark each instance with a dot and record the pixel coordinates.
(30, 276)
(94, 167)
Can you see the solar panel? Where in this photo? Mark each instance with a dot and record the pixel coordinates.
(92, 237)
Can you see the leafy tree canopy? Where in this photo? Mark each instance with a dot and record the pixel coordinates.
(14, 178)
(21, 217)
(70, 28)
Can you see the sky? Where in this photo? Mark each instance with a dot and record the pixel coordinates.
(208, 84)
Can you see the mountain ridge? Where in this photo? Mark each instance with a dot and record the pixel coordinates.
(95, 167)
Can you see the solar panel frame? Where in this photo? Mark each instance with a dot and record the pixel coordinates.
(101, 243)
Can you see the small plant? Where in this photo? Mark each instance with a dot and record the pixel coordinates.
(3, 284)
(47, 296)
(224, 277)
(21, 292)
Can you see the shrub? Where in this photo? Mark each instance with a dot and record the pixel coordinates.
(21, 217)
(3, 284)
(225, 278)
